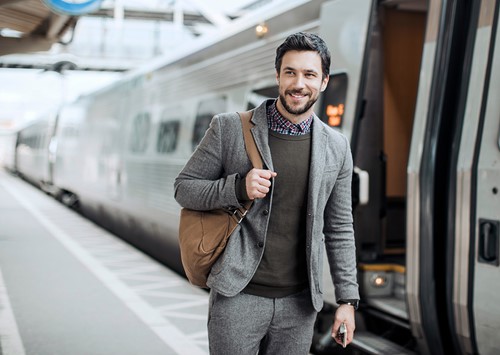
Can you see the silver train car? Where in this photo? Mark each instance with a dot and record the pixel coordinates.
(8, 142)
(34, 148)
(414, 86)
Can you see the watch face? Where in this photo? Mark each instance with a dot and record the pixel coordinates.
(73, 7)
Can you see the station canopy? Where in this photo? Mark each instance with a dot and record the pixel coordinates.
(116, 35)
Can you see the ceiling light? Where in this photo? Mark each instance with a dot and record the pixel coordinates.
(261, 30)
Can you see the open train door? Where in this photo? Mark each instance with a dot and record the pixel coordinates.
(476, 267)
(345, 27)
(446, 302)
(377, 51)
(363, 58)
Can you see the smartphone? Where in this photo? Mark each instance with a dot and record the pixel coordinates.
(342, 334)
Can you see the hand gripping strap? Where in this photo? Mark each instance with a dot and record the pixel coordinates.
(252, 151)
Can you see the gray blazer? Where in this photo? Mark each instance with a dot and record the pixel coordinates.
(208, 182)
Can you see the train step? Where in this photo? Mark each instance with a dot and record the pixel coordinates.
(375, 345)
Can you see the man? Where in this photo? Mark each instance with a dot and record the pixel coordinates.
(266, 286)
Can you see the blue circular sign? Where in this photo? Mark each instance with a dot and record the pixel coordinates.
(75, 7)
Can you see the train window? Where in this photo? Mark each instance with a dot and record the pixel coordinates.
(70, 132)
(259, 95)
(206, 110)
(333, 101)
(140, 132)
(270, 92)
(167, 137)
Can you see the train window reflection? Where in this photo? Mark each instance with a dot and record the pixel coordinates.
(70, 132)
(167, 137)
(333, 101)
(207, 109)
(32, 139)
(140, 132)
(257, 96)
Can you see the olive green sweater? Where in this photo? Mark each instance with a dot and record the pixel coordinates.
(283, 270)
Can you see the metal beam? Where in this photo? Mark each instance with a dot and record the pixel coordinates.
(9, 2)
(190, 18)
(10, 45)
(57, 26)
(47, 62)
(214, 16)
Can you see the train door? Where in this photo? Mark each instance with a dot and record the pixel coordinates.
(52, 151)
(486, 202)
(377, 49)
(376, 55)
(104, 124)
(476, 271)
(403, 112)
(445, 233)
(403, 119)
(344, 25)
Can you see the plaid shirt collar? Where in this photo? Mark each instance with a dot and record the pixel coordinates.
(279, 124)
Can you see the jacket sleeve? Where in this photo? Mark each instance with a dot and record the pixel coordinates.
(339, 232)
(202, 184)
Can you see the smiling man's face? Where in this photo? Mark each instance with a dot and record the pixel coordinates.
(300, 82)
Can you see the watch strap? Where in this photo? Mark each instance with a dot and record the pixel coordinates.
(350, 302)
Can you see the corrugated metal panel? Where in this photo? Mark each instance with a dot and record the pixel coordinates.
(149, 184)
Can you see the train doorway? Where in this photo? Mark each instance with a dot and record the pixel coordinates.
(374, 105)
(381, 143)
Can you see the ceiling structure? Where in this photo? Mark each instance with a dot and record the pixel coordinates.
(29, 26)
(40, 48)
(29, 30)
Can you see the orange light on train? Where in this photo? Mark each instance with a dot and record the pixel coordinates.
(334, 114)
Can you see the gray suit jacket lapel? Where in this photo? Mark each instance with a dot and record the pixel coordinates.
(261, 135)
(318, 155)
(319, 136)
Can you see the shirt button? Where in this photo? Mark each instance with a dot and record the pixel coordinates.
(265, 212)
(260, 244)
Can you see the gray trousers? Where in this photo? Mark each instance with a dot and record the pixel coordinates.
(248, 324)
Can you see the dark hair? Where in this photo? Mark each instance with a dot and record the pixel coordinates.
(302, 41)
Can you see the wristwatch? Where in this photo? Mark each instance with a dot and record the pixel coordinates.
(354, 303)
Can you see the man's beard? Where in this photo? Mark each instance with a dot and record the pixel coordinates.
(298, 110)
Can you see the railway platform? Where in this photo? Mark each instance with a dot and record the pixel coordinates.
(69, 287)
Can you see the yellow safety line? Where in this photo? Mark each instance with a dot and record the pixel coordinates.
(383, 267)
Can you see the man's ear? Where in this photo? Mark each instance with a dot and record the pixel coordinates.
(277, 78)
(324, 84)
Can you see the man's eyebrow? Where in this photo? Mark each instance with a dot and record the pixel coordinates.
(305, 70)
(311, 71)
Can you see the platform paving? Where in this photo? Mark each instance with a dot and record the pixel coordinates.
(69, 287)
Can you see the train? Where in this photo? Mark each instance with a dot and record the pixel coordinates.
(8, 141)
(414, 86)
